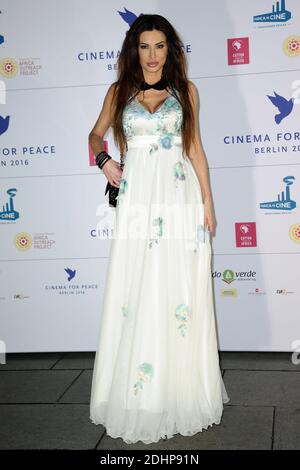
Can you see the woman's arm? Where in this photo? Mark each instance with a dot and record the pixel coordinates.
(199, 162)
(111, 169)
(102, 124)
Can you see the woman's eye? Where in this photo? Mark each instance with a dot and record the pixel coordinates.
(143, 46)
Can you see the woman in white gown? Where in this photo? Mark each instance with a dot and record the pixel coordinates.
(156, 370)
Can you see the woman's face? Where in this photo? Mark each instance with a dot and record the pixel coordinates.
(153, 50)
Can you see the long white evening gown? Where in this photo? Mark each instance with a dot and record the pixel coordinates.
(156, 371)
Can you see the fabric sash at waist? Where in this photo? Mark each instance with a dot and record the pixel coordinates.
(162, 141)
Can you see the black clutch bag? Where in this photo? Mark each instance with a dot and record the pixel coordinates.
(113, 192)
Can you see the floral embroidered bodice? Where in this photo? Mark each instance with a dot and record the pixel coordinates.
(166, 119)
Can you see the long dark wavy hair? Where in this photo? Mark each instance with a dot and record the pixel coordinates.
(130, 76)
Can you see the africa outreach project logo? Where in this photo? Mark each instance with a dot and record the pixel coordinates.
(294, 233)
(291, 46)
(26, 66)
(8, 67)
(23, 241)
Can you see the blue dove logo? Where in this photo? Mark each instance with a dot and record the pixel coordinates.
(1, 39)
(284, 106)
(4, 123)
(71, 273)
(128, 16)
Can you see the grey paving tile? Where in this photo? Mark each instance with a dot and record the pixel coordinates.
(47, 427)
(287, 429)
(255, 381)
(258, 361)
(241, 428)
(23, 361)
(76, 360)
(80, 390)
(40, 386)
(260, 388)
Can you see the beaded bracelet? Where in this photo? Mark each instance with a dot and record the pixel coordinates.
(102, 158)
(103, 161)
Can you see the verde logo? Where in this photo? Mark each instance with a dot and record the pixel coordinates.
(228, 276)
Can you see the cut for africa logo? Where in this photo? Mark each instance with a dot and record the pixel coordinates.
(294, 233)
(8, 67)
(23, 241)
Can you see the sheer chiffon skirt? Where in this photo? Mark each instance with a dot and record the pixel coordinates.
(156, 370)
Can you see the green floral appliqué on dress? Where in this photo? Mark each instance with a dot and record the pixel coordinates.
(125, 310)
(122, 188)
(158, 221)
(200, 237)
(179, 172)
(145, 374)
(182, 314)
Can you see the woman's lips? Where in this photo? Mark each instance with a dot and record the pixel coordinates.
(152, 64)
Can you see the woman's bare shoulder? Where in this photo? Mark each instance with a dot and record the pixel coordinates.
(106, 116)
(108, 107)
(193, 90)
(110, 94)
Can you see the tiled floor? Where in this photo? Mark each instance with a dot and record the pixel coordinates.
(44, 404)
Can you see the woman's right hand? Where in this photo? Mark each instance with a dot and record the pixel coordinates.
(113, 172)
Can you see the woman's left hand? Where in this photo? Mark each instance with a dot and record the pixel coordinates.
(209, 218)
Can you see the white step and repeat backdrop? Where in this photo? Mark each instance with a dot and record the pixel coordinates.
(57, 59)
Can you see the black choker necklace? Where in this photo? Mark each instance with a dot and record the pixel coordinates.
(160, 85)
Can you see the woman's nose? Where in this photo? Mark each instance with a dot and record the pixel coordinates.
(152, 54)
